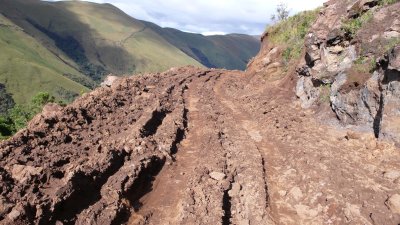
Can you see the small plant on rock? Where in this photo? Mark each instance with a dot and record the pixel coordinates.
(325, 93)
(353, 25)
(387, 2)
(365, 64)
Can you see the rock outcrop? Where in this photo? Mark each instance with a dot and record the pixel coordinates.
(352, 50)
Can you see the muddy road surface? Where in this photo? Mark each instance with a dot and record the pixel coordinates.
(194, 146)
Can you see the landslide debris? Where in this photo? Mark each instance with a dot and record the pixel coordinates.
(78, 164)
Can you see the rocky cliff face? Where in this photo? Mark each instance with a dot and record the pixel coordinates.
(353, 51)
(351, 61)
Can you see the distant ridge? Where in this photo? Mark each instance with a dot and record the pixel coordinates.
(75, 44)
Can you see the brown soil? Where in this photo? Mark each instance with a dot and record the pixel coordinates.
(194, 146)
(356, 79)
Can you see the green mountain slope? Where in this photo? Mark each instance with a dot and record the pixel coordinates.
(60, 47)
(231, 51)
(98, 38)
(26, 67)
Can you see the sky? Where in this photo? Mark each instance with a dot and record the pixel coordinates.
(210, 16)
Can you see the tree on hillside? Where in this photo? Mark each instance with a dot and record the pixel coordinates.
(6, 100)
(282, 13)
(22, 114)
(6, 127)
(40, 100)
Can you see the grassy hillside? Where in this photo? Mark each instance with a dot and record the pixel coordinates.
(222, 51)
(98, 38)
(290, 34)
(240, 48)
(117, 34)
(53, 46)
(26, 67)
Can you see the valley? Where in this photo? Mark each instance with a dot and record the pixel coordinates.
(79, 43)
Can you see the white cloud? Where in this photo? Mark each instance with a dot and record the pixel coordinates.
(210, 16)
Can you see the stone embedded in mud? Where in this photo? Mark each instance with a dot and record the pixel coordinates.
(14, 214)
(244, 222)
(351, 211)
(306, 92)
(109, 81)
(268, 59)
(80, 157)
(391, 175)
(393, 203)
(236, 187)
(5, 207)
(24, 174)
(296, 193)
(217, 176)
(393, 31)
(305, 211)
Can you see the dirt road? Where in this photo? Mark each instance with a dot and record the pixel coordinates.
(194, 146)
(280, 165)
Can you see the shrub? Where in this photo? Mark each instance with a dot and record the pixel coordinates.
(6, 100)
(18, 117)
(41, 99)
(6, 127)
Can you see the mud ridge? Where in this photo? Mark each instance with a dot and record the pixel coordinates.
(87, 192)
(142, 185)
(151, 126)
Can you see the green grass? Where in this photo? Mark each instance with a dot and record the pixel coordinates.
(101, 39)
(120, 43)
(325, 93)
(390, 44)
(155, 54)
(60, 47)
(364, 64)
(151, 48)
(291, 33)
(98, 38)
(388, 2)
(26, 67)
(222, 51)
(18, 117)
(352, 26)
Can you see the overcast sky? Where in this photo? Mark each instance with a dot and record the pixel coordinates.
(210, 16)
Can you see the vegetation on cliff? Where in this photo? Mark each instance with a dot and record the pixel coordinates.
(290, 33)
